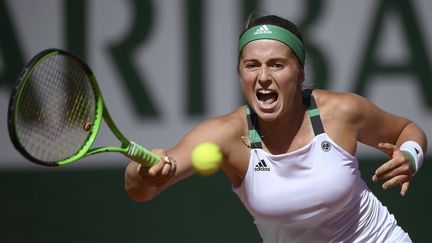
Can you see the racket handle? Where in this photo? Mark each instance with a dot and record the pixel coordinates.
(141, 155)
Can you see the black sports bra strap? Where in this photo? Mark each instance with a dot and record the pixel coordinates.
(254, 136)
(313, 112)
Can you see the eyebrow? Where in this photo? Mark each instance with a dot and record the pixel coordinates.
(275, 59)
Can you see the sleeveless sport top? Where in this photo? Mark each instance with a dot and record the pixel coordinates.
(314, 194)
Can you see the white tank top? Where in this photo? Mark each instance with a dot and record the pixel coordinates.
(314, 194)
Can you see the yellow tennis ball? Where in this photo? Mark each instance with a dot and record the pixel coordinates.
(206, 158)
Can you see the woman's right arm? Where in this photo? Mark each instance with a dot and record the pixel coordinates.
(144, 183)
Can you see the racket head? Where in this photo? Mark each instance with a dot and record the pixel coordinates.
(55, 110)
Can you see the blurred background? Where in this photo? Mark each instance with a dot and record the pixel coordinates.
(164, 66)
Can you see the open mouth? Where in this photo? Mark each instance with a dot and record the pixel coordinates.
(267, 97)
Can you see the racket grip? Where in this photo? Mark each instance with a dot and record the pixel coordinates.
(141, 155)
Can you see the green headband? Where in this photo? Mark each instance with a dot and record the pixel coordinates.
(273, 32)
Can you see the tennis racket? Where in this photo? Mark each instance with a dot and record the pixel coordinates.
(56, 110)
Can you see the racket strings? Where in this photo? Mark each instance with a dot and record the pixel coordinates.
(54, 106)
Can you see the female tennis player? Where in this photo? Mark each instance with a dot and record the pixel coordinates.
(290, 153)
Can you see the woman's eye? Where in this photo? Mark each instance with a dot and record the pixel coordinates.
(251, 65)
(278, 66)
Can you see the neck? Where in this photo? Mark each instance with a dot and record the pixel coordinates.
(278, 136)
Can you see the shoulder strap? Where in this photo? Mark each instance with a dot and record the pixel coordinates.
(254, 136)
(313, 112)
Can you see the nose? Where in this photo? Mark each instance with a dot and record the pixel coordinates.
(264, 75)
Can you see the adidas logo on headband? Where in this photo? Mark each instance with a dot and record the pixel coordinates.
(263, 30)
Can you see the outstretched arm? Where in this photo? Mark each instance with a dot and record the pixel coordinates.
(145, 183)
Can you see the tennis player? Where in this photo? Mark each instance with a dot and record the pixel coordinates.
(290, 153)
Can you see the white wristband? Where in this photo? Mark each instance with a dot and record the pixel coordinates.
(414, 152)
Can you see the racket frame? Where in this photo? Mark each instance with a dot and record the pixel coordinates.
(128, 148)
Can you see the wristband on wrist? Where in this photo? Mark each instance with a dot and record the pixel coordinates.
(414, 152)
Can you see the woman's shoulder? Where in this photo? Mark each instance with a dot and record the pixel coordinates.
(233, 123)
(345, 104)
(335, 96)
(327, 97)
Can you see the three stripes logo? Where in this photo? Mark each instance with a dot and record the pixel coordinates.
(263, 30)
(262, 166)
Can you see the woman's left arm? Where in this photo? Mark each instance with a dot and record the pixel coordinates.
(403, 164)
(400, 138)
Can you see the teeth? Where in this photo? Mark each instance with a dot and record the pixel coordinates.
(264, 91)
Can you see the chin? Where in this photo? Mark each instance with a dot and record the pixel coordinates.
(267, 117)
(268, 114)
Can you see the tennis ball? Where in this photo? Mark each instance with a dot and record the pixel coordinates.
(206, 158)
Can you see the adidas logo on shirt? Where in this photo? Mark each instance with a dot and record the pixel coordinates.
(263, 30)
(262, 166)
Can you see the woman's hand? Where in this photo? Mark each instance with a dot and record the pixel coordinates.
(144, 183)
(160, 173)
(399, 168)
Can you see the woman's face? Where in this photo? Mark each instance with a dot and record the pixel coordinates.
(271, 77)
